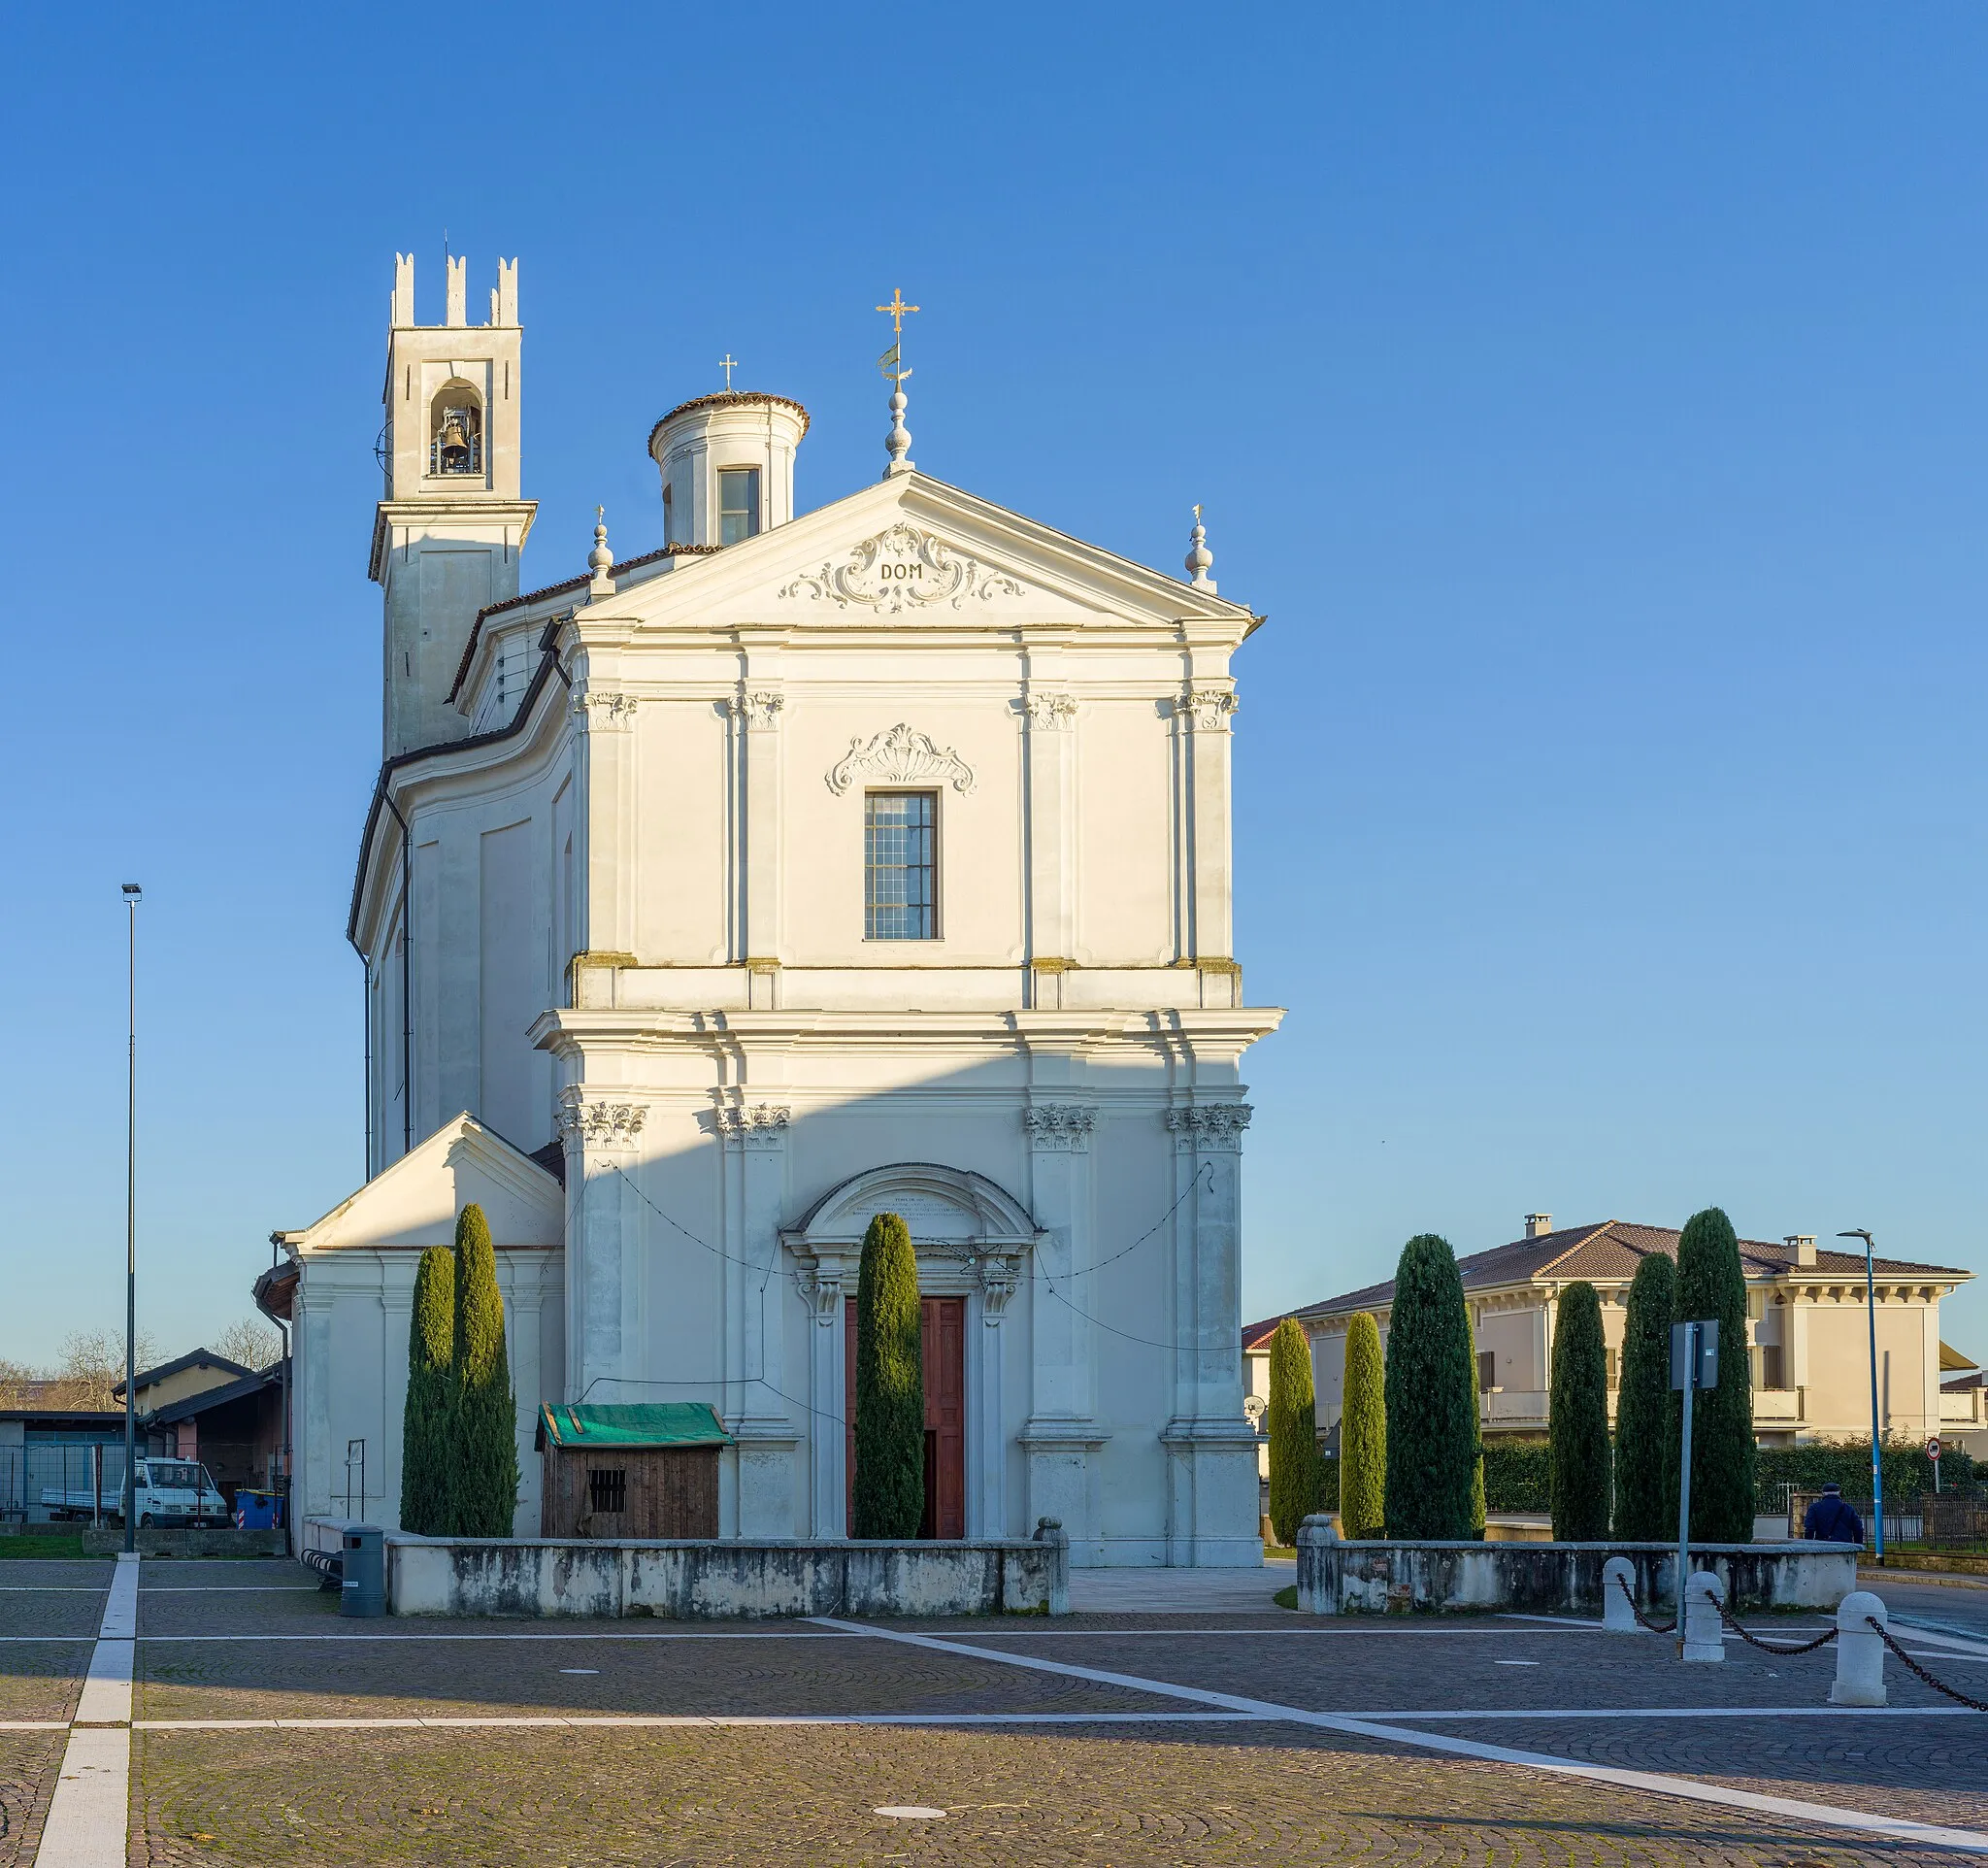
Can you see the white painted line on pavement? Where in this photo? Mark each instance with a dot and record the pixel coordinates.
(232, 1588)
(1689, 1789)
(107, 1688)
(644, 1720)
(34, 1725)
(91, 1805)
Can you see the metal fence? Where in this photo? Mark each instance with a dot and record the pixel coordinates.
(1934, 1522)
(39, 1485)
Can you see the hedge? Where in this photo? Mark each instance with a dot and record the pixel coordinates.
(1816, 1463)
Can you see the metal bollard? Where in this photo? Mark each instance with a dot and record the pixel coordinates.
(1860, 1654)
(1618, 1586)
(1704, 1637)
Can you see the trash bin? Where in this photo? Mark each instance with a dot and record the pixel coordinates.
(362, 1588)
(256, 1510)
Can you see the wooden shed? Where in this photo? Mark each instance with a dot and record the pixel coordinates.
(646, 1469)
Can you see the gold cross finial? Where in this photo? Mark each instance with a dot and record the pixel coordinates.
(728, 363)
(1196, 516)
(896, 310)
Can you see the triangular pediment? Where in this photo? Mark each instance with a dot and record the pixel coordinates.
(915, 552)
(414, 1203)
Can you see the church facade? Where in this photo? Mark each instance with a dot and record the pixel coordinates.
(872, 858)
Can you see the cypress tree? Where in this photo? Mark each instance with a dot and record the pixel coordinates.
(1363, 1433)
(1712, 1284)
(1577, 1419)
(889, 1498)
(482, 1481)
(1432, 1443)
(1478, 1511)
(1646, 1458)
(1292, 1421)
(424, 1455)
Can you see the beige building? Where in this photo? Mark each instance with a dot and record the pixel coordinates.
(1808, 1347)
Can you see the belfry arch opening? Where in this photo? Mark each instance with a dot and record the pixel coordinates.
(455, 430)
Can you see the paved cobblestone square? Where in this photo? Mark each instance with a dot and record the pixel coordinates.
(28, 1763)
(808, 1796)
(752, 1743)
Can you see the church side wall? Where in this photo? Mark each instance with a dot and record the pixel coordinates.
(492, 913)
(354, 1310)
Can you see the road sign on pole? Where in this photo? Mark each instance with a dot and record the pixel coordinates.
(1933, 1454)
(1694, 1365)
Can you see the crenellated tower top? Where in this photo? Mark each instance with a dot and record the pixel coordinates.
(451, 521)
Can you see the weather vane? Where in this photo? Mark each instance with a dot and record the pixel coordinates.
(728, 363)
(891, 362)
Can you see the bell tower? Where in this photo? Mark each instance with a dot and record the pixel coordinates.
(448, 531)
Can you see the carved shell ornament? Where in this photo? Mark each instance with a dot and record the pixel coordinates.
(900, 756)
(903, 568)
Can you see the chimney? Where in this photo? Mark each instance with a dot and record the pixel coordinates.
(1800, 1249)
(1538, 1224)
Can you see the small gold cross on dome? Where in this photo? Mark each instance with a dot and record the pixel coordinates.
(728, 363)
(897, 308)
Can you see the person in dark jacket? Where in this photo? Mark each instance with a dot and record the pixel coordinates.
(1831, 1520)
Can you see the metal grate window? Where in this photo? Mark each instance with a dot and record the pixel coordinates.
(900, 865)
(607, 1489)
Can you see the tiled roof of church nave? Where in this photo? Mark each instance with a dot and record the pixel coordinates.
(1610, 1251)
(519, 602)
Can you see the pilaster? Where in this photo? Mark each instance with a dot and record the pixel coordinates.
(1212, 1465)
(824, 1287)
(1049, 754)
(606, 822)
(1203, 711)
(604, 1270)
(1061, 1431)
(753, 1140)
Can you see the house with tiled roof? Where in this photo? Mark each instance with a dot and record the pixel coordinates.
(1807, 1343)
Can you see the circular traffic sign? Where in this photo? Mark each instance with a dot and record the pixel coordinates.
(1933, 1447)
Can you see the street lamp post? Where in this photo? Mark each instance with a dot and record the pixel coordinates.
(133, 895)
(1871, 1314)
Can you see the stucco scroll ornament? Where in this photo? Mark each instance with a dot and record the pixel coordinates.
(999, 1280)
(903, 568)
(1208, 709)
(1060, 1128)
(755, 1126)
(1208, 1126)
(603, 707)
(822, 1287)
(900, 756)
(597, 1120)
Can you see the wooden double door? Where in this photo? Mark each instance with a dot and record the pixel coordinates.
(943, 1339)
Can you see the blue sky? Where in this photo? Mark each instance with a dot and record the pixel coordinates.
(1594, 399)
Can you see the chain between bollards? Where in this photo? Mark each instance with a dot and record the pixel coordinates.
(1883, 1634)
(1655, 1627)
(1773, 1647)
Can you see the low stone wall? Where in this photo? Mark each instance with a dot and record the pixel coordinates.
(695, 1580)
(1379, 1578)
(221, 1541)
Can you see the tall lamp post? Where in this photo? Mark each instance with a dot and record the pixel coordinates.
(133, 895)
(1871, 1314)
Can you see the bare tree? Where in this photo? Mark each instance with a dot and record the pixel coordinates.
(250, 1342)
